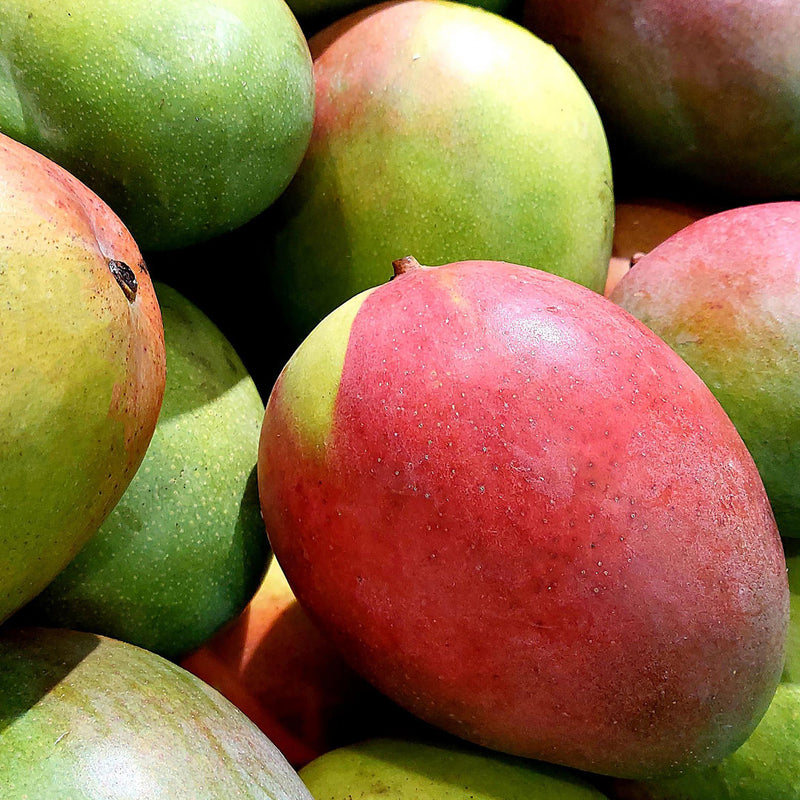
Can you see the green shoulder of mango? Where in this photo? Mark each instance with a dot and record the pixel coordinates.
(185, 548)
(187, 118)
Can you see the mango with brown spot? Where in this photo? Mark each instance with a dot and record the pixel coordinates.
(81, 368)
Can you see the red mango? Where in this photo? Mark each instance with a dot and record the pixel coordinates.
(524, 518)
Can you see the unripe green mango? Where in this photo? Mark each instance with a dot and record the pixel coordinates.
(84, 717)
(791, 667)
(187, 118)
(444, 131)
(398, 769)
(81, 368)
(185, 548)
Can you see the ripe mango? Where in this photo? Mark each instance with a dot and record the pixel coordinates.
(522, 516)
(708, 93)
(445, 131)
(724, 293)
(81, 368)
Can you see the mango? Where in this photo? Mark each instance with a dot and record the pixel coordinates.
(81, 368)
(408, 769)
(522, 517)
(724, 293)
(705, 95)
(188, 119)
(445, 131)
(84, 716)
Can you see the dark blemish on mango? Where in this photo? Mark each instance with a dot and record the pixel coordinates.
(125, 278)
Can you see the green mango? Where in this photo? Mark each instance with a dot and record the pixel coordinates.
(765, 767)
(446, 132)
(83, 717)
(81, 368)
(188, 118)
(185, 548)
(397, 769)
(791, 667)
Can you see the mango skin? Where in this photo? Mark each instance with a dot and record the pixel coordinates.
(82, 375)
(409, 769)
(444, 131)
(523, 518)
(708, 92)
(88, 717)
(185, 548)
(188, 120)
(765, 767)
(724, 293)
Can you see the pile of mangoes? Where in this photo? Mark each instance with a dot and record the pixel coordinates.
(399, 400)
